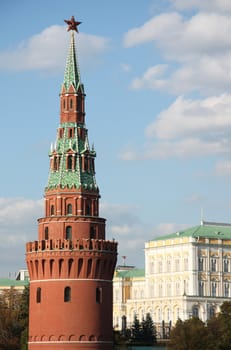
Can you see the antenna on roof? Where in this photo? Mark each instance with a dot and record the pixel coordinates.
(202, 217)
(124, 259)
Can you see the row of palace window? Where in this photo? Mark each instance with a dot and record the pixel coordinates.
(71, 132)
(67, 295)
(68, 232)
(87, 163)
(213, 264)
(214, 289)
(170, 265)
(69, 209)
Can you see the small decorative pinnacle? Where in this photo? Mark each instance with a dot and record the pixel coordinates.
(72, 24)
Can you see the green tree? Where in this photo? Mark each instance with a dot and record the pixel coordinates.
(219, 329)
(12, 320)
(191, 334)
(148, 330)
(136, 330)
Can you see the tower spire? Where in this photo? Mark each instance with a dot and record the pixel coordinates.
(72, 72)
(71, 264)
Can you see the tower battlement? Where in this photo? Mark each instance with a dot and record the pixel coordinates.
(97, 245)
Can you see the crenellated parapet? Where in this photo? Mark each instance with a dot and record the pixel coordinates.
(77, 245)
(65, 259)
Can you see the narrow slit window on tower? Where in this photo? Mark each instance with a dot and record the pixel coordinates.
(55, 164)
(98, 295)
(46, 233)
(71, 103)
(52, 210)
(70, 133)
(69, 162)
(64, 104)
(92, 232)
(67, 294)
(69, 209)
(68, 232)
(38, 295)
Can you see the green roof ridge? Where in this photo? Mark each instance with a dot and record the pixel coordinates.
(205, 230)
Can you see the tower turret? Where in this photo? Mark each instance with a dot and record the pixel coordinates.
(71, 265)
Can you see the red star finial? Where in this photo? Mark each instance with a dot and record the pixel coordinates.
(72, 24)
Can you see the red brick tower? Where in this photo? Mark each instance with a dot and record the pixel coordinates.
(71, 265)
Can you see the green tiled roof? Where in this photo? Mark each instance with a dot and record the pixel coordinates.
(72, 73)
(205, 230)
(7, 282)
(130, 273)
(75, 178)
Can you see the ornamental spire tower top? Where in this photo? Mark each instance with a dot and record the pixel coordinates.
(72, 159)
(71, 265)
(72, 73)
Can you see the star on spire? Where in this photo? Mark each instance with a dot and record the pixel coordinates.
(72, 24)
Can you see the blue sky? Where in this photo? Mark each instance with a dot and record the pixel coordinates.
(158, 110)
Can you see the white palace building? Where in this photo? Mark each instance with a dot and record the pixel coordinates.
(187, 273)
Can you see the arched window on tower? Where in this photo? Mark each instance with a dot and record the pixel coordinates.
(92, 232)
(69, 162)
(64, 104)
(67, 294)
(88, 209)
(68, 232)
(69, 209)
(52, 210)
(46, 233)
(38, 295)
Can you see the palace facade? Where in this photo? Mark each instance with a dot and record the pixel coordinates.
(187, 273)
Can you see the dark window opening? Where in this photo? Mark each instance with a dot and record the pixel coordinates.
(98, 295)
(64, 104)
(52, 210)
(69, 209)
(195, 312)
(55, 166)
(71, 103)
(67, 294)
(61, 133)
(92, 232)
(68, 232)
(46, 233)
(88, 209)
(69, 162)
(38, 295)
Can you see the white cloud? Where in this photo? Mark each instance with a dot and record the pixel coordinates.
(182, 149)
(223, 168)
(47, 50)
(208, 117)
(187, 128)
(200, 45)
(125, 226)
(205, 5)
(18, 224)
